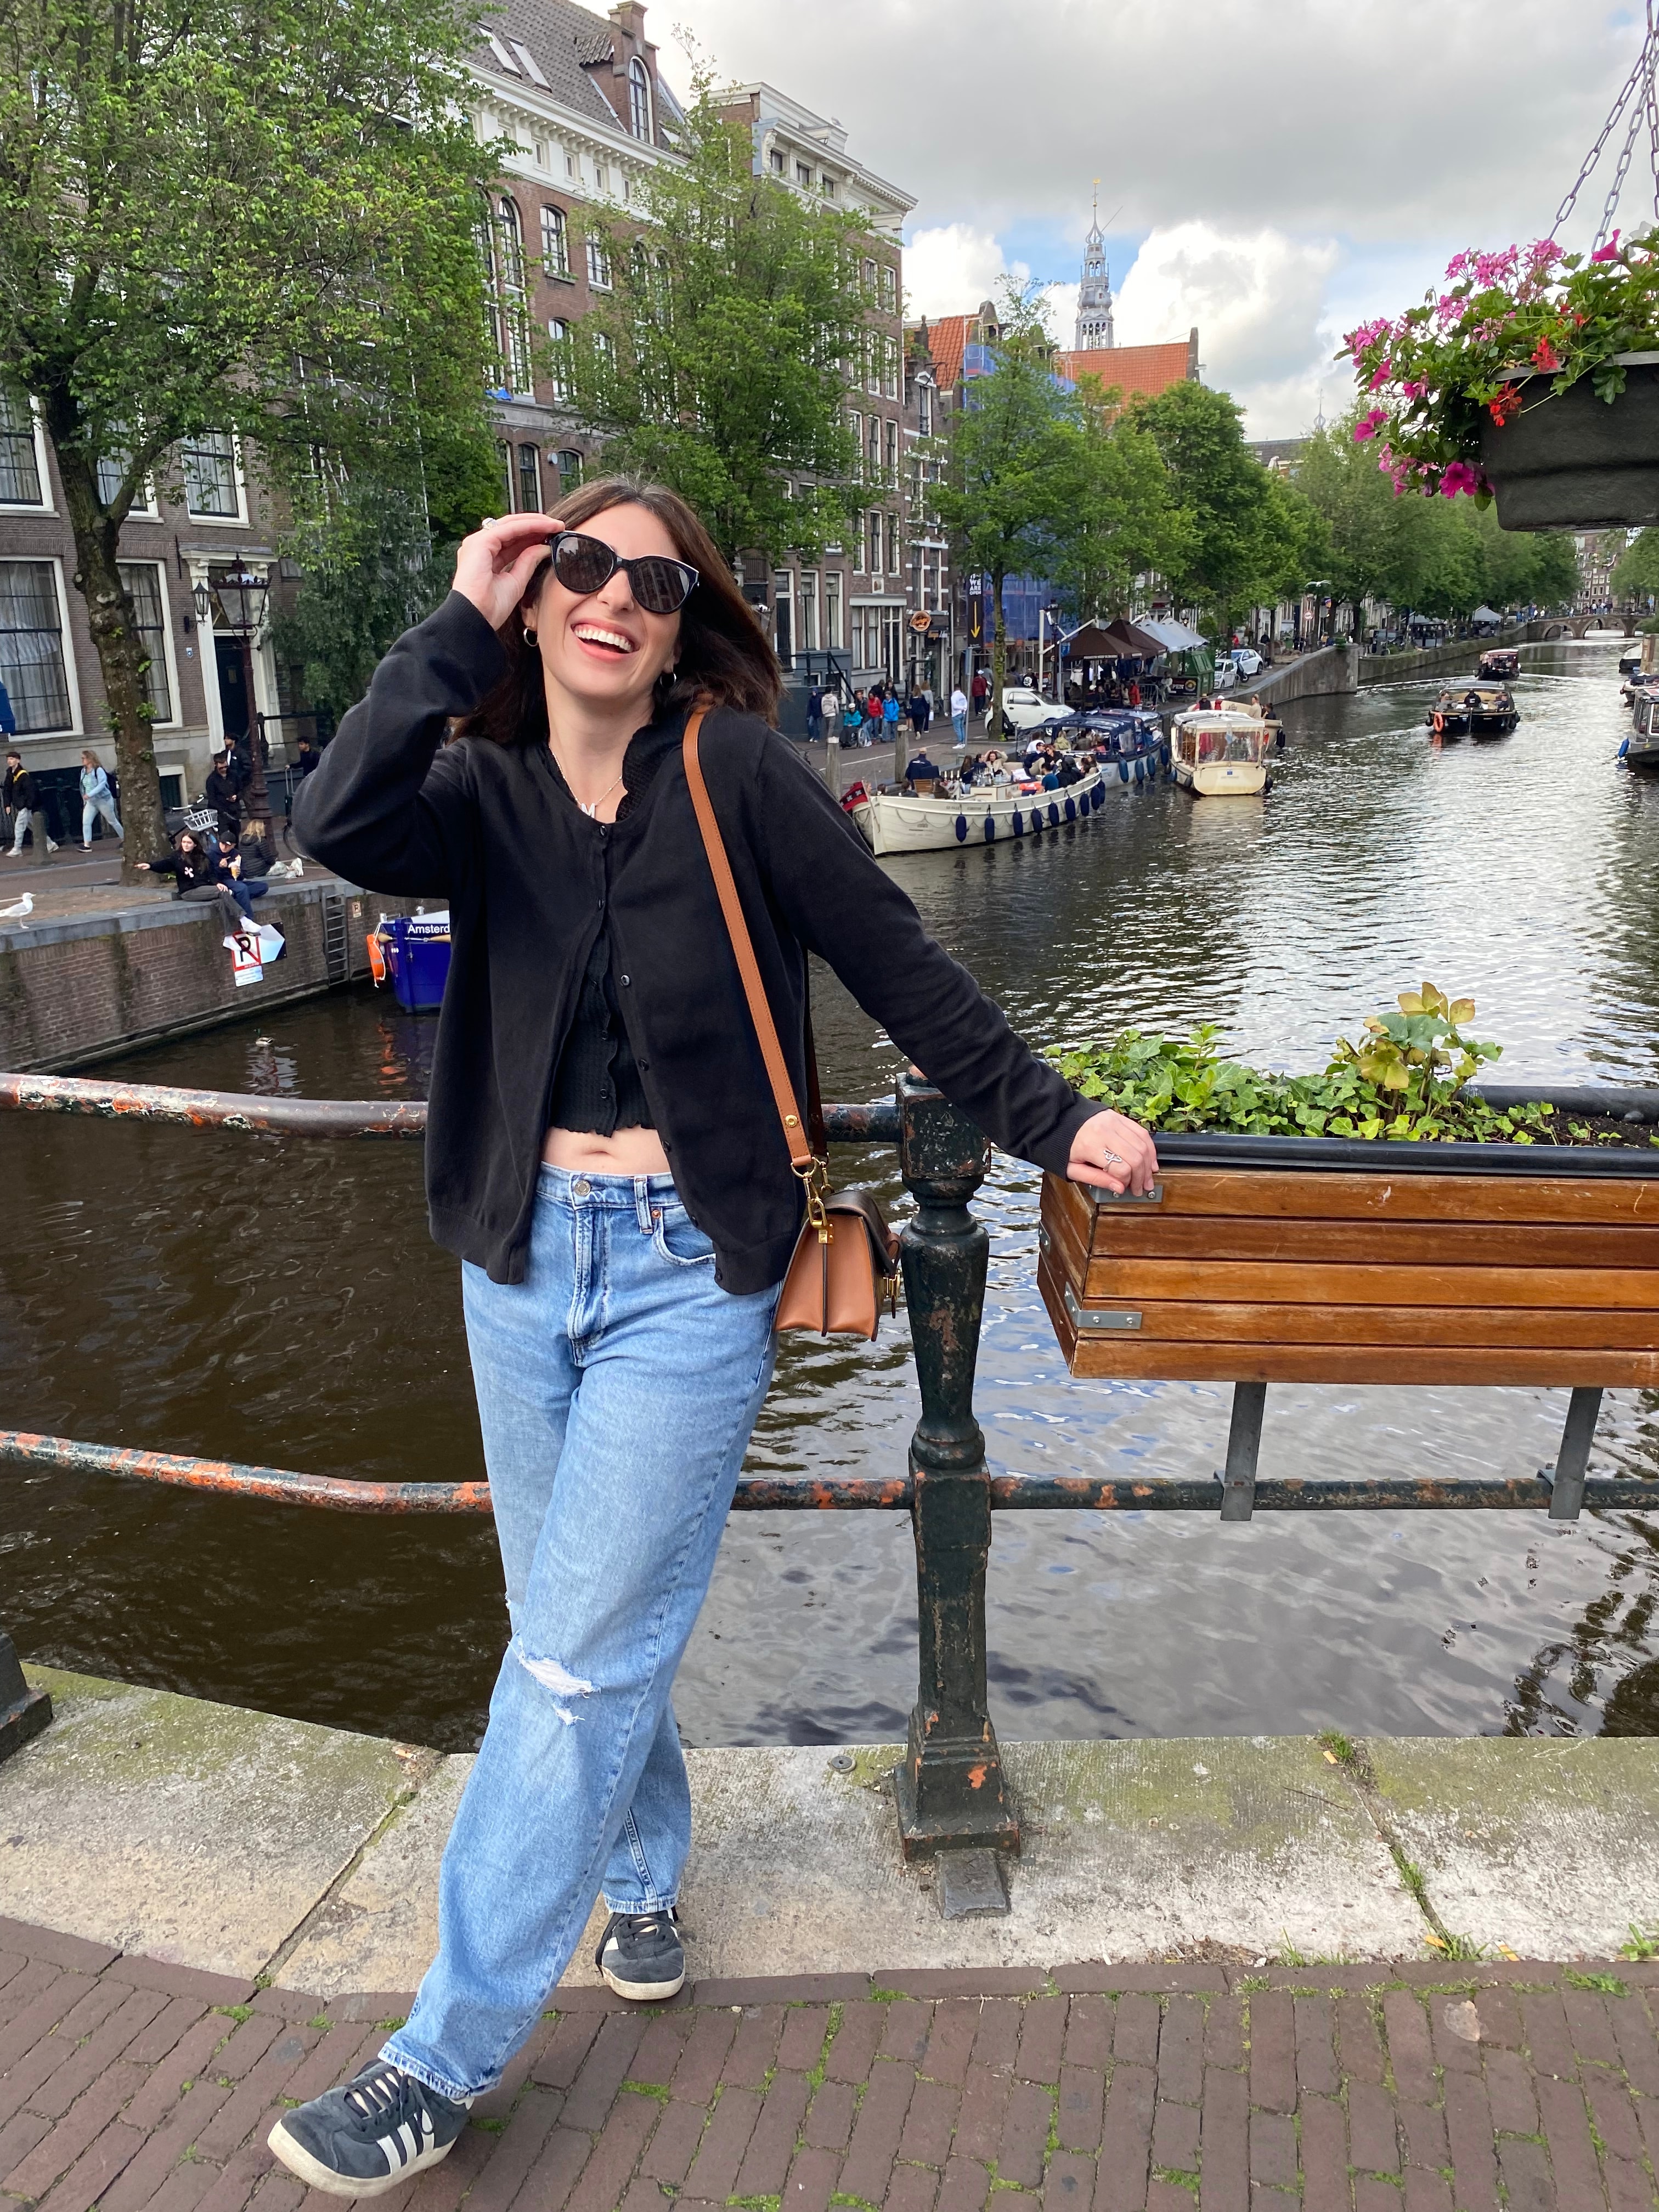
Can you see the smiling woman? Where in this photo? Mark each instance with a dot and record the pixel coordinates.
(604, 1154)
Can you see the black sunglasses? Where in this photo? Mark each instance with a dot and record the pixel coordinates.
(584, 564)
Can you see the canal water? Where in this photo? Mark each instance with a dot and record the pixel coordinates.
(279, 1301)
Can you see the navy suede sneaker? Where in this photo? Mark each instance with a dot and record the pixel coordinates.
(377, 2131)
(640, 1954)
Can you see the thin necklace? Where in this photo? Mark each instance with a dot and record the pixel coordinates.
(589, 807)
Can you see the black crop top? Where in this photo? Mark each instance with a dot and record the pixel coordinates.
(596, 1085)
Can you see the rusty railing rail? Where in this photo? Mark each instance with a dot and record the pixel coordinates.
(952, 1794)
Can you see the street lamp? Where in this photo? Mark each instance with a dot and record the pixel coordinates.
(242, 596)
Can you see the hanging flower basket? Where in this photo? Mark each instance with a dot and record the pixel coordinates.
(1570, 461)
(1533, 377)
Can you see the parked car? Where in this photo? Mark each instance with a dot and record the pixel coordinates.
(1024, 708)
(1227, 671)
(1247, 660)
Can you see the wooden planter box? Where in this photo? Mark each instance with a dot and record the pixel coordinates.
(1499, 1265)
(1572, 462)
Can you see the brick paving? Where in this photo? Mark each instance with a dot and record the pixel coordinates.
(127, 2084)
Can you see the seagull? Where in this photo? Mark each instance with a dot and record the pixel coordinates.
(21, 911)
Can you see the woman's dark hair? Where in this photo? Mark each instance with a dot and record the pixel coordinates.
(724, 657)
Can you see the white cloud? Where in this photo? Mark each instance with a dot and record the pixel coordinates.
(1258, 299)
(949, 270)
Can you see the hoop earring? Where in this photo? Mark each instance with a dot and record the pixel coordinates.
(530, 637)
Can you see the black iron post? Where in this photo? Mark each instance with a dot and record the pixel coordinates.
(23, 1711)
(952, 1794)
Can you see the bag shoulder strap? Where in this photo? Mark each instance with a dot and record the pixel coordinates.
(783, 1095)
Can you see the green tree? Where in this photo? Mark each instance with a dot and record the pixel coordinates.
(719, 361)
(246, 215)
(1247, 534)
(1125, 522)
(1637, 575)
(1017, 468)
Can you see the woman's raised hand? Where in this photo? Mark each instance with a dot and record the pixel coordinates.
(494, 566)
(1112, 1149)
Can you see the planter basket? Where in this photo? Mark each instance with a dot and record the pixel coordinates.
(1262, 1260)
(1572, 462)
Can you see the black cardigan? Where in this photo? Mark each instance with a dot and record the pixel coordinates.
(530, 878)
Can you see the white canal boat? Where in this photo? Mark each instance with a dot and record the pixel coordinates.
(1221, 752)
(991, 814)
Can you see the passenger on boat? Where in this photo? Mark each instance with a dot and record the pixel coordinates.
(920, 769)
(1068, 772)
(624, 1253)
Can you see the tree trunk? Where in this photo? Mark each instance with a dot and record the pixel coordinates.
(999, 652)
(122, 659)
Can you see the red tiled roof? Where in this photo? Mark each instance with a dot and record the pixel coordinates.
(948, 337)
(1145, 370)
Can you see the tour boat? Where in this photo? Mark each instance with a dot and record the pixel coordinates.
(1498, 665)
(1220, 752)
(1484, 710)
(1640, 750)
(993, 813)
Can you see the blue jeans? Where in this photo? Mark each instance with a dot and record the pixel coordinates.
(245, 890)
(616, 1389)
(959, 724)
(91, 808)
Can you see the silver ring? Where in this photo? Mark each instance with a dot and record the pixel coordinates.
(1116, 1159)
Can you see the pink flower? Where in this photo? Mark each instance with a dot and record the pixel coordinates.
(1414, 390)
(1380, 379)
(1458, 476)
(1541, 253)
(1609, 252)
(1368, 425)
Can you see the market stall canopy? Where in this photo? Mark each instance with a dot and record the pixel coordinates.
(1172, 636)
(1091, 642)
(1487, 615)
(1123, 638)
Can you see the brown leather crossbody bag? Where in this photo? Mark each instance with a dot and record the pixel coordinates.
(845, 1267)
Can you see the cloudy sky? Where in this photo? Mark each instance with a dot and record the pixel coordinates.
(1270, 170)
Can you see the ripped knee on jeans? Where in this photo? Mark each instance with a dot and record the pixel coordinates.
(552, 1676)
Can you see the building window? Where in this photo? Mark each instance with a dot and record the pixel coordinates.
(924, 408)
(833, 637)
(828, 186)
(32, 647)
(599, 266)
(889, 288)
(804, 175)
(142, 581)
(568, 464)
(601, 178)
(639, 99)
(874, 469)
(111, 471)
(605, 352)
(890, 366)
(869, 280)
(876, 520)
(859, 660)
(571, 169)
(558, 342)
(556, 243)
(515, 316)
(209, 461)
(529, 481)
(892, 454)
(20, 457)
(504, 462)
(807, 611)
(777, 162)
(892, 545)
(873, 363)
(855, 424)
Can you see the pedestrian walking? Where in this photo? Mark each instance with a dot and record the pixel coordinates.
(959, 713)
(96, 798)
(624, 1227)
(919, 711)
(22, 804)
(814, 715)
(890, 718)
(982, 691)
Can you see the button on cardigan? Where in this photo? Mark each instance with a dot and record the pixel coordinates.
(530, 880)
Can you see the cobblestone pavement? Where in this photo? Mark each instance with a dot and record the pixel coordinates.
(126, 2084)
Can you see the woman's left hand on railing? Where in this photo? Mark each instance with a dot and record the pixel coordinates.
(1112, 1149)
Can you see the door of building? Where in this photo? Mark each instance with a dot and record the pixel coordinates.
(232, 689)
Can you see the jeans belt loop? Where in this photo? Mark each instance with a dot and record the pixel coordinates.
(643, 1203)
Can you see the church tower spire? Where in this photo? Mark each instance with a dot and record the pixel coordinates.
(1094, 300)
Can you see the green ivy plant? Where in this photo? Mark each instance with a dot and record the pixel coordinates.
(1405, 1079)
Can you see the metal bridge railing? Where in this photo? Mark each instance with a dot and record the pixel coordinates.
(953, 1796)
